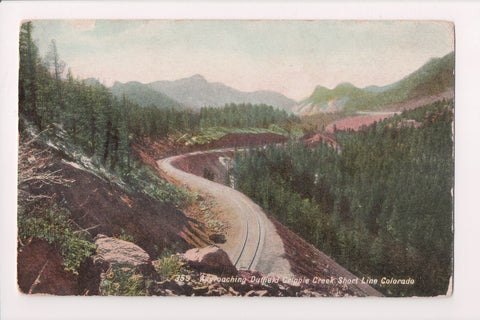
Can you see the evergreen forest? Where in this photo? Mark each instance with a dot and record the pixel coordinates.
(103, 125)
(380, 203)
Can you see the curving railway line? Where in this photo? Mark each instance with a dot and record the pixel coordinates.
(252, 242)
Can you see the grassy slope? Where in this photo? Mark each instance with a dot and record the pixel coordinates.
(215, 133)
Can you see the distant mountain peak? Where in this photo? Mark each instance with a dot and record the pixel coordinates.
(435, 77)
(198, 77)
(143, 95)
(195, 78)
(196, 92)
(345, 85)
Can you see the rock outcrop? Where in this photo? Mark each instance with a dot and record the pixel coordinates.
(123, 268)
(210, 259)
(245, 284)
(112, 252)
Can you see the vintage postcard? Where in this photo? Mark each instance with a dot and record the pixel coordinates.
(266, 158)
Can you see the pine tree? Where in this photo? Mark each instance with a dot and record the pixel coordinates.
(29, 65)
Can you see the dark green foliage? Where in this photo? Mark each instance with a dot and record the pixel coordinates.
(169, 266)
(381, 206)
(144, 180)
(53, 225)
(157, 123)
(243, 116)
(30, 76)
(124, 281)
(101, 124)
(94, 120)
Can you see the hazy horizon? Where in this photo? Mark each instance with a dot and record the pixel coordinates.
(289, 57)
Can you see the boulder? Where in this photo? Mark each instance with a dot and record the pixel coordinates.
(210, 259)
(112, 252)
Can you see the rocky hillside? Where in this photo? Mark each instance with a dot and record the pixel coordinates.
(433, 78)
(65, 201)
(120, 267)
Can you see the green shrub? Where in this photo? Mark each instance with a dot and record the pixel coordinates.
(54, 227)
(169, 266)
(123, 235)
(210, 134)
(123, 281)
(144, 180)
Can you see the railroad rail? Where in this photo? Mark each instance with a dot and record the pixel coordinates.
(246, 247)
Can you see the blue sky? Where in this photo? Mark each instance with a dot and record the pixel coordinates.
(291, 57)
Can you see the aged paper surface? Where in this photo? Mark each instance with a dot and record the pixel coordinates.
(236, 158)
(239, 158)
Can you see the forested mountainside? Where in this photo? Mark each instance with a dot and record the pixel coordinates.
(435, 77)
(379, 202)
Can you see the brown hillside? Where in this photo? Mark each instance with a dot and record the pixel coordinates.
(104, 207)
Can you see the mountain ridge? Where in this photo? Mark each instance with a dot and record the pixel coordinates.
(434, 77)
(143, 95)
(195, 92)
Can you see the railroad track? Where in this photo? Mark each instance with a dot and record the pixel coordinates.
(253, 239)
(245, 244)
(254, 243)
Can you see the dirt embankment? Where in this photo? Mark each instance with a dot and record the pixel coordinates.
(204, 165)
(104, 207)
(163, 148)
(356, 122)
(325, 137)
(38, 263)
(421, 100)
(101, 206)
(212, 166)
(149, 152)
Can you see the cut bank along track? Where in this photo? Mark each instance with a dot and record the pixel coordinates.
(245, 246)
